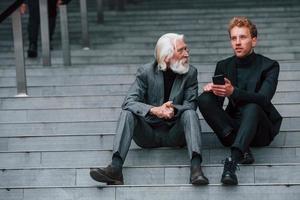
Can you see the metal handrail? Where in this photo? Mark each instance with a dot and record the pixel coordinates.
(18, 45)
(10, 9)
(13, 11)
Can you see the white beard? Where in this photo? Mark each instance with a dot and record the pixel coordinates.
(180, 66)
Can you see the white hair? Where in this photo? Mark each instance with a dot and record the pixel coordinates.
(165, 48)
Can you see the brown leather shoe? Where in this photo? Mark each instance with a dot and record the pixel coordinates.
(197, 177)
(109, 175)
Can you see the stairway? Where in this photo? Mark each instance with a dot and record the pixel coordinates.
(49, 140)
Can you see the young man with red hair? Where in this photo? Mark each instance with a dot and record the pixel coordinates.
(250, 82)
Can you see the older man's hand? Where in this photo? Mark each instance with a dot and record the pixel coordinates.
(165, 111)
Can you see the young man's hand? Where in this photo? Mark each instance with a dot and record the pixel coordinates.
(207, 87)
(223, 90)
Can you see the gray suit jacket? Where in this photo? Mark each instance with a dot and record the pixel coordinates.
(148, 91)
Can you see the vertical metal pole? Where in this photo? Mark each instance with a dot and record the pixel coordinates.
(45, 32)
(84, 25)
(19, 54)
(65, 34)
(100, 15)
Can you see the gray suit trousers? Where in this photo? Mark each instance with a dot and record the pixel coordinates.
(185, 130)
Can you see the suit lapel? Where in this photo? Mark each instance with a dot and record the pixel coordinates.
(159, 85)
(176, 87)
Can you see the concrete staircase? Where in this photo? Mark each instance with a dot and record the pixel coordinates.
(49, 140)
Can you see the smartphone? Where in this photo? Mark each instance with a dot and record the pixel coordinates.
(218, 79)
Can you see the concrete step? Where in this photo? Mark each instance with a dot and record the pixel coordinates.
(118, 44)
(203, 77)
(115, 46)
(169, 192)
(149, 51)
(96, 114)
(105, 89)
(219, 23)
(70, 177)
(101, 101)
(190, 36)
(112, 69)
(117, 69)
(81, 60)
(104, 141)
(136, 157)
(205, 11)
(96, 127)
(108, 57)
(212, 5)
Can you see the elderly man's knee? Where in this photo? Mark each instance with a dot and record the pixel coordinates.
(127, 114)
(189, 114)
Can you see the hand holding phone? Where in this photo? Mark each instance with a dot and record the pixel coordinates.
(218, 79)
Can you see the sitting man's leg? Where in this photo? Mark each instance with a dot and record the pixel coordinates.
(188, 132)
(129, 125)
(220, 122)
(254, 126)
(225, 128)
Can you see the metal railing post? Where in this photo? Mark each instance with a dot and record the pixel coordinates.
(100, 15)
(45, 32)
(84, 25)
(19, 54)
(64, 27)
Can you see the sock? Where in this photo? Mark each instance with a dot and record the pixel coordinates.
(236, 154)
(117, 162)
(196, 160)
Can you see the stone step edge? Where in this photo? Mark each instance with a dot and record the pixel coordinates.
(138, 149)
(153, 166)
(111, 107)
(150, 186)
(100, 134)
(61, 66)
(77, 74)
(96, 95)
(95, 121)
(74, 73)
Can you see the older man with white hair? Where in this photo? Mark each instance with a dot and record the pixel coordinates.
(159, 111)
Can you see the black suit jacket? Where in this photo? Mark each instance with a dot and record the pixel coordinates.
(260, 88)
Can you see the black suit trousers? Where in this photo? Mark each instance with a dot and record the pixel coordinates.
(34, 19)
(249, 126)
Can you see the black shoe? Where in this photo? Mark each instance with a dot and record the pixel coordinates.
(109, 175)
(32, 51)
(247, 158)
(197, 177)
(229, 176)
